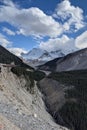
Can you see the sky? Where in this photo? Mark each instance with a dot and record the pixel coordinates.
(47, 24)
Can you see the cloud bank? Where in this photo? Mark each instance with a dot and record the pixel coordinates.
(66, 44)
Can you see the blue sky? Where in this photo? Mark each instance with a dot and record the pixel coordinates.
(47, 24)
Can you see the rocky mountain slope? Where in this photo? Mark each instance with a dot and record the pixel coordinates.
(21, 104)
(73, 61)
(38, 56)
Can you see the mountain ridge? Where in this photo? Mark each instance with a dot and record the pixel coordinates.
(72, 61)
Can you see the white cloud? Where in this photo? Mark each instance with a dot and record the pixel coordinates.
(81, 40)
(4, 41)
(8, 31)
(71, 16)
(31, 21)
(17, 51)
(64, 43)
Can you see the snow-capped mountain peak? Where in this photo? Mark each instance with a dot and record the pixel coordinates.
(33, 54)
(37, 56)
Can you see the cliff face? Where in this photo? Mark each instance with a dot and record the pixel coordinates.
(19, 109)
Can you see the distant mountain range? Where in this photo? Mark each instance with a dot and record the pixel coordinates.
(38, 56)
(72, 61)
